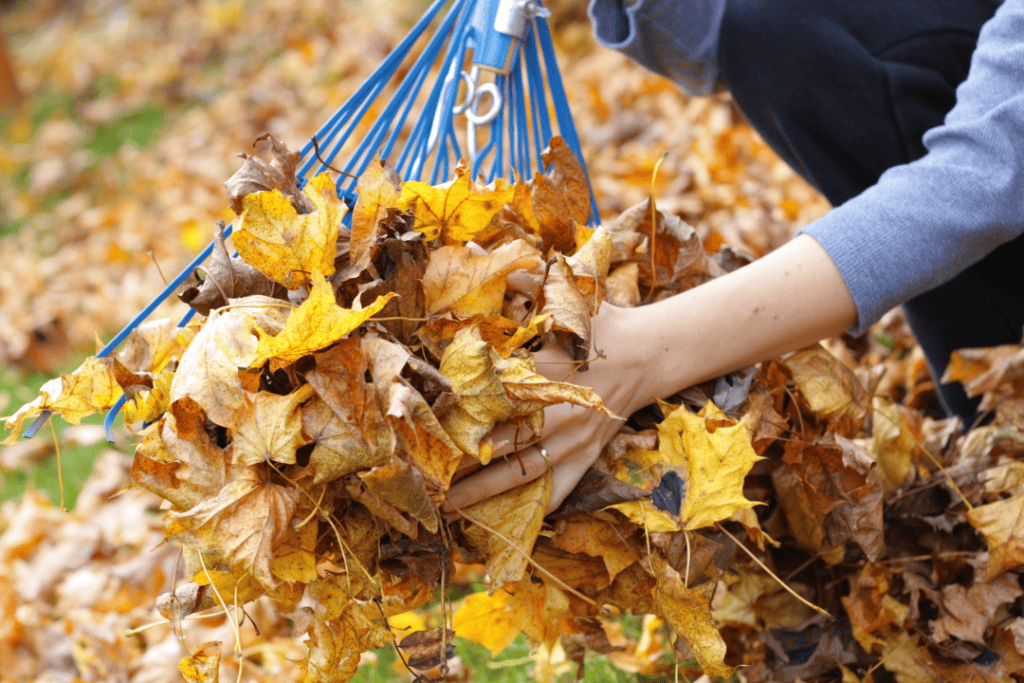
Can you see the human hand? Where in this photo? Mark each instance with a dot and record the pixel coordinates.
(572, 436)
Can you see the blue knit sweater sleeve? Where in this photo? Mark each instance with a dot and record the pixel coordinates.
(926, 221)
(675, 38)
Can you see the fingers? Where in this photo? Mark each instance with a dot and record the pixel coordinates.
(497, 477)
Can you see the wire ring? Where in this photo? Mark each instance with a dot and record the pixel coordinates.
(547, 457)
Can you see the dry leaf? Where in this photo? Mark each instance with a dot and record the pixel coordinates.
(286, 246)
(688, 611)
(257, 175)
(466, 285)
(316, 324)
(271, 428)
(456, 213)
(517, 515)
(378, 188)
(203, 665)
(1002, 523)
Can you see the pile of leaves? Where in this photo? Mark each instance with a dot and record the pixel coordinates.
(792, 519)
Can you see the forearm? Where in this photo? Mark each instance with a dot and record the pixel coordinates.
(792, 297)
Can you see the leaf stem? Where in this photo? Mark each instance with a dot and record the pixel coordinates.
(771, 573)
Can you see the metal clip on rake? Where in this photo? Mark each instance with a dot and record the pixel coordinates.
(507, 48)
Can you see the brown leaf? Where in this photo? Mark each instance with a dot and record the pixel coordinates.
(243, 524)
(257, 175)
(829, 389)
(402, 486)
(340, 447)
(428, 649)
(421, 437)
(227, 277)
(178, 461)
(271, 428)
(378, 189)
(597, 490)
(844, 491)
(401, 264)
(517, 515)
(1002, 524)
(597, 537)
(569, 316)
(460, 282)
(968, 613)
(561, 199)
(208, 370)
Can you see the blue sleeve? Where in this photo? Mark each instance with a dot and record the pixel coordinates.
(925, 222)
(677, 39)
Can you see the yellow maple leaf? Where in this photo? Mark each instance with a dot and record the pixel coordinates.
(271, 429)
(688, 611)
(518, 515)
(457, 212)
(717, 461)
(495, 620)
(148, 405)
(1002, 523)
(482, 402)
(284, 245)
(90, 389)
(317, 323)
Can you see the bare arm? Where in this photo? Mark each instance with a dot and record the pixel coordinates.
(792, 297)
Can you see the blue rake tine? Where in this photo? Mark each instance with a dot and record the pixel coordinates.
(516, 136)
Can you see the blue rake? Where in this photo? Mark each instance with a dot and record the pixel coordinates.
(497, 53)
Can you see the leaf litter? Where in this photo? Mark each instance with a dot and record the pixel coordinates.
(301, 437)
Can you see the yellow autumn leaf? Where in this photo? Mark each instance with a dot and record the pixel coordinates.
(465, 284)
(644, 514)
(495, 620)
(284, 245)
(1002, 523)
(90, 389)
(490, 620)
(203, 665)
(482, 402)
(295, 561)
(688, 612)
(377, 189)
(517, 515)
(457, 212)
(316, 324)
(271, 429)
(243, 524)
(148, 405)
(717, 461)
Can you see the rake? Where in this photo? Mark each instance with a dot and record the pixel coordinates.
(484, 88)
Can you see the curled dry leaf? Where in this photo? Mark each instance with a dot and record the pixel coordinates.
(226, 278)
(257, 175)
